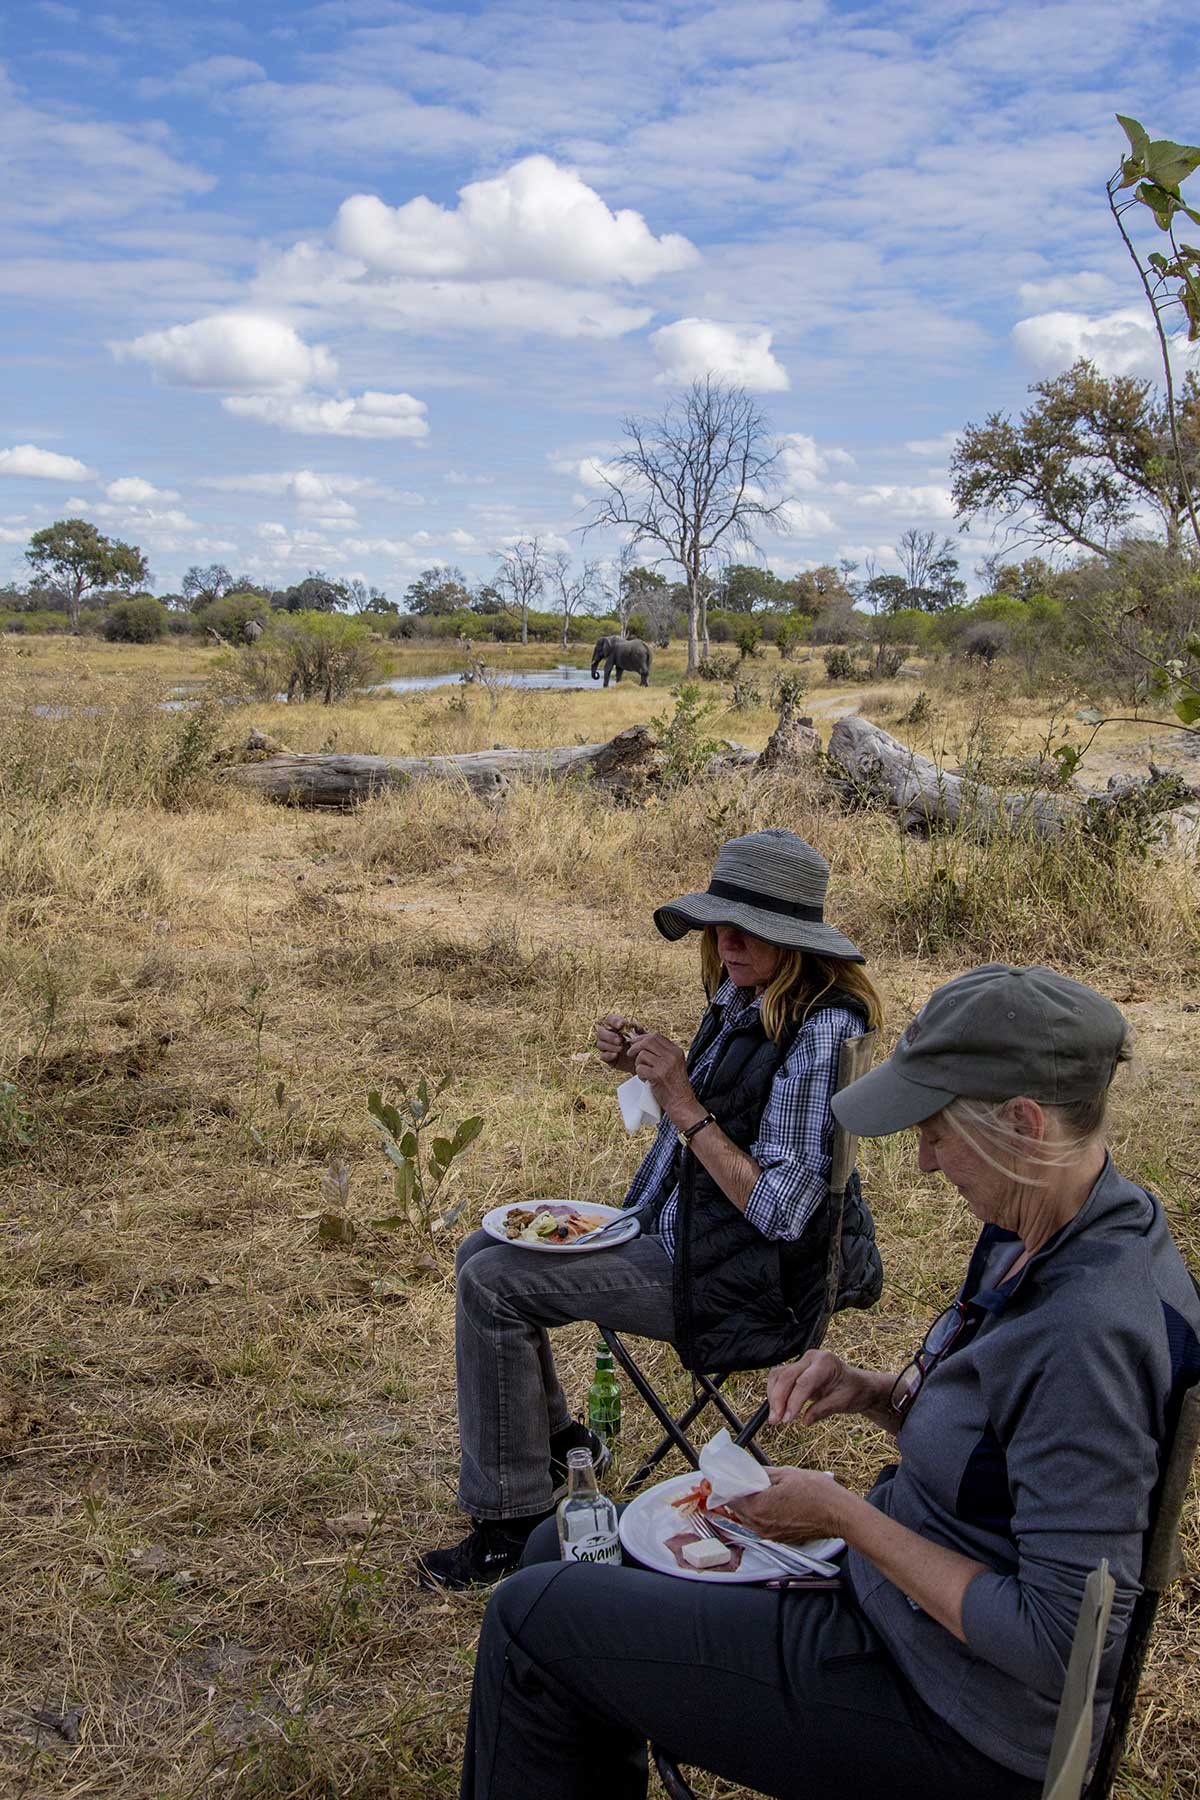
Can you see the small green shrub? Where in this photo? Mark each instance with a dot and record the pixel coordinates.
(788, 690)
(748, 637)
(418, 1183)
(139, 620)
(746, 694)
(681, 735)
(840, 665)
(717, 668)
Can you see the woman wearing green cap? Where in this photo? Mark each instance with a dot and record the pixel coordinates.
(1028, 1423)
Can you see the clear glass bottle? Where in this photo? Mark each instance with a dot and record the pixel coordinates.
(604, 1397)
(587, 1519)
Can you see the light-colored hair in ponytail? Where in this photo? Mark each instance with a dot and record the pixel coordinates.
(983, 1125)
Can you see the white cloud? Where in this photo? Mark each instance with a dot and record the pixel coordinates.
(938, 446)
(931, 501)
(132, 490)
(250, 352)
(1085, 288)
(42, 465)
(368, 415)
(62, 165)
(536, 219)
(692, 348)
(310, 275)
(593, 472)
(805, 464)
(804, 520)
(210, 78)
(1119, 343)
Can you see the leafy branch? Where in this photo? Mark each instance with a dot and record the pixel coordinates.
(419, 1172)
(1155, 168)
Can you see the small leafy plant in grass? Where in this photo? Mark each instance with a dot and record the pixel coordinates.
(420, 1172)
(682, 735)
(17, 1123)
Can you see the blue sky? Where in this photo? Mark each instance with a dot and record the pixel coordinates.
(369, 286)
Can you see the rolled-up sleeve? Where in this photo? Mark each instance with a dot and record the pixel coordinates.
(795, 1138)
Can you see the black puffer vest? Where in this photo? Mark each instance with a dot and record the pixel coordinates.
(743, 1301)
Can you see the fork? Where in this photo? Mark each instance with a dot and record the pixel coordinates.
(784, 1557)
(590, 1237)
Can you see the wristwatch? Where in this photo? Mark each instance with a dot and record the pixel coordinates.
(689, 1131)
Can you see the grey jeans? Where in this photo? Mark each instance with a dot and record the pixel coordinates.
(509, 1397)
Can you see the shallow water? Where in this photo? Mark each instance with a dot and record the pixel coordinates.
(565, 677)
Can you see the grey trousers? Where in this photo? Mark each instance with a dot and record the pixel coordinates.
(790, 1694)
(509, 1396)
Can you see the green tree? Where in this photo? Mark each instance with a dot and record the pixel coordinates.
(1156, 169)
(201, 586)
(316, 593)
(139, 620)
(745, 587)
(436, 591)
(1090, 453)
(77, 559)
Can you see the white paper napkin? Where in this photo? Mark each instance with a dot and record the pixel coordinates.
(638, 1105)
(730, 1470)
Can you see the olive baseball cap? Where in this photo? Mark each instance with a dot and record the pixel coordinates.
(992, 1034)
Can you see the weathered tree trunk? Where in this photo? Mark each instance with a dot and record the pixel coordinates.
(327, 779)
(926, 797)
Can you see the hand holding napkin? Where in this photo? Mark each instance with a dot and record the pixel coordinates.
(638, 1105)
(730, 1471)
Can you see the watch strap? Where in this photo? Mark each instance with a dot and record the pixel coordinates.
(689, 1131)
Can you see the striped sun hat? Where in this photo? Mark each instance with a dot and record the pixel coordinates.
(771, 884)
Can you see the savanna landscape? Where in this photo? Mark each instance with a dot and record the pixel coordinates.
(379, 379)
(227, 1412)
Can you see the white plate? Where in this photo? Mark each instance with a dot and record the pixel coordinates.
(493, 1224)
(650, 1519)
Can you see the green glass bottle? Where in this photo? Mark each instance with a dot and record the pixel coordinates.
(604, 1397)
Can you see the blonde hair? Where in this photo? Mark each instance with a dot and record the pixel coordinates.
(1080, 1123)
(799, 983)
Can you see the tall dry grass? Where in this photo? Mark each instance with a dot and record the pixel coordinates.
(200, 1408)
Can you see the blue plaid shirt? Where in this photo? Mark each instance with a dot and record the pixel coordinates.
(794, 1145)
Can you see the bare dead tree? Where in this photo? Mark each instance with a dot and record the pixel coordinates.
(574, 591)
(702, 473)
(521, 578)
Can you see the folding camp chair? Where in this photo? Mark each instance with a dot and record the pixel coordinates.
(854, 1060)
(1066, 1772)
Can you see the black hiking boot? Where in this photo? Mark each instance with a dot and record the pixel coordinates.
(575, 1436)
(490, 1550)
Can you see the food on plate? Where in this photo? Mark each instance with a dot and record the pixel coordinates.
(705, 1554)
(697, 1500)
(549, 1224)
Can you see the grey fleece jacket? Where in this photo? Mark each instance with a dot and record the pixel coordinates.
(1033, 1447)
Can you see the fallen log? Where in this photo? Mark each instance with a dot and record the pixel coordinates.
(330, 779)
(926, 797)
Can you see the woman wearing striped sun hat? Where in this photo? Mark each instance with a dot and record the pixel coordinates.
(730, 1263)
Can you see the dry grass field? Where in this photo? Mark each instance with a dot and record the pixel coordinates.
(220, 1441)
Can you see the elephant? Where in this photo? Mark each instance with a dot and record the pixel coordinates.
(252, 631)
(622, 653)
